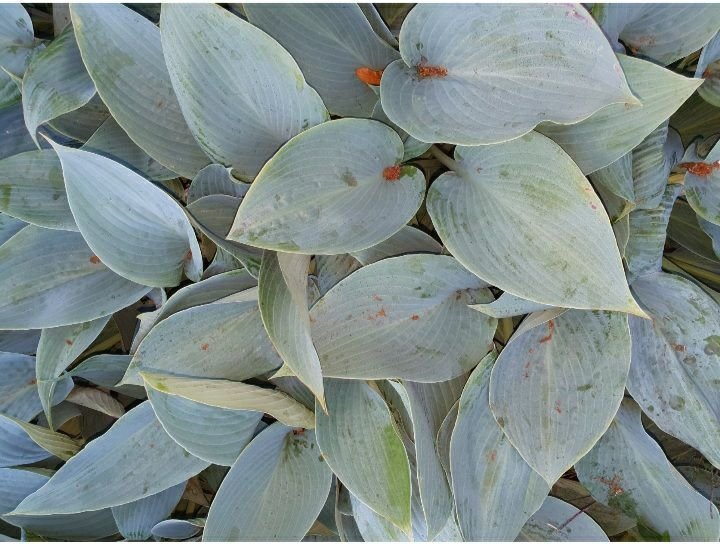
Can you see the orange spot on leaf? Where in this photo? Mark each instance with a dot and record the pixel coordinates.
(298, 432)
(700, 169)
(392, 173)
(557, 407)
(492, 456)
(551, 331)
(613, 484)
(68, 342)
(94, 259)
(679, 347)
(204, 347)
(415, 317)
(32, 381)
(381, 313)
(424, 70)
(368, 75)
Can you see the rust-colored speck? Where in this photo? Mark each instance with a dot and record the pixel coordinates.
(188, 256)
(700, 169)
(425, 71)
(204, 347)
(557, 407)
(551, 331)
(707, 73)
(68, 342)
(298, 432)
(377, 297)
(392, 173)
(492, 456)
(94, 259)
(679, 347)
(415, 317)
(32, 381)
(368, 75)
(593, 206)
(381, 313)
(613, 484)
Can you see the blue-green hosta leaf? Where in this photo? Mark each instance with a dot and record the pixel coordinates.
(713, 232)
(23, 443)
(363, 448)
(373, 527)
(123, 55)
(134, 459)
(270, 102)
(675, 372)
(702, 188)
(178, 529)
(505, 202)
(454, 83)
(18, 484)
(203, 341)
(330, 269)
(353, 188)
(429, 404)
(14, 137)
(648, 230)
(330, 42)
(274, 491)
(32, 189)
(106, 370)
(652, 161)
(16, 43)
(664, 33)
(616, 178)
(215, 179)
(689, 230)
(50, 278)
(495, 490)
(55, 82)
(9, 227)
(406, 240)
(508, 305)
(81, 123)
(59, 347)
(133, 226)
(558, 521)
(413, 147)
(234, 396)
(283, 303)
(709, 69)
(613, 131)
(403, 317)
(557, 386)
(628, 470)
(19, 391)
(135, 520)
(98, 400)
(111, 141)
(214, 434)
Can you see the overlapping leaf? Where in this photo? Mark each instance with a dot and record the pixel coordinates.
(16, 45)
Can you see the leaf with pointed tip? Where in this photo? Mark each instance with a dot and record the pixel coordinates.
(508, 305)
(557, 386)
(97, 400)
(55, 82)
(453, 85)
(330, 42)
(616, 178)
(49, 278)
(628, 470)
(652, 161)
(178, 529)
(703, 192)
(246, 131)
(648, 231)
(429, 404)
(330, 269)
(215, 179)
(613, 131)
(406, 240)
(558, 521)
(709, 70)
(16, 43)
(354, 188)
(360, 443)
(274, 491)
(111, 141)
(19, 391)
(495, 490)
(57, 349)
(133, 226)
(413, 147)
(217, 435)
(106, 370)
(33, 190)
(123, 55)
(526, 197)
(403, 317)
(688, 230)
(29, 440)
(664, 33)
(373, 527)
(135, 520)
(134, 459)
(9, 227)
(675, 371)
(283, 306)
(18, 484)
(202, 341)
(234, 396)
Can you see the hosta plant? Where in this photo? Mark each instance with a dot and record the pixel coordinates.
(359, 272)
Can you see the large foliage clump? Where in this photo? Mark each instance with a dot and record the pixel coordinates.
(345, 272)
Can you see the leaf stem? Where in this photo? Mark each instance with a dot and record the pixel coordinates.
(444, 159)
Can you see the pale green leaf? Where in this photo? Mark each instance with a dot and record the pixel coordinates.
(57, 444)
